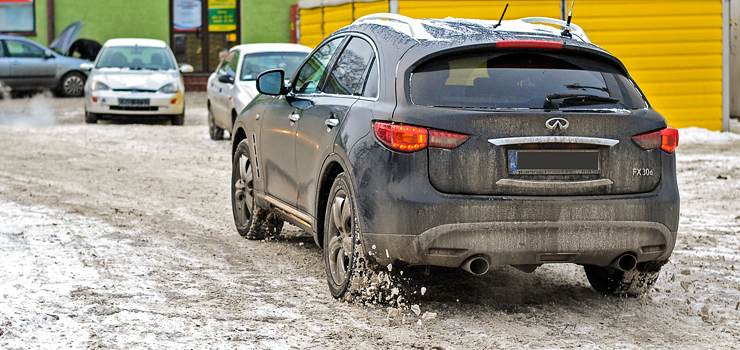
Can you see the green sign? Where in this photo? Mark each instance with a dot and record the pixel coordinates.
(221, 15)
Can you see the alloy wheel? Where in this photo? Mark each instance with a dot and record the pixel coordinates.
(244, 192)
(341, 233)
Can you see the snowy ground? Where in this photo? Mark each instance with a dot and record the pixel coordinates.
(119, 236)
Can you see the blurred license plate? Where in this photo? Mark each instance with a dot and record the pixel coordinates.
(133, 101)
(554, 162)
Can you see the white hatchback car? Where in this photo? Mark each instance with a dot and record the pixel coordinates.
(136, 77)
(233, 85)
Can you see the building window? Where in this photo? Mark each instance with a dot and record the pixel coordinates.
(17, 16)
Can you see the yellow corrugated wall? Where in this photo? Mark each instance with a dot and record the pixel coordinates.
(673, 50)
(311, 33)
(490, 10)
(334, 18)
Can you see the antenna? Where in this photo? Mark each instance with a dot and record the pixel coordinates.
(502, 17)
(566, 30)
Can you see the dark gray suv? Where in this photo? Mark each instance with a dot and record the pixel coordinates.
(462, 143)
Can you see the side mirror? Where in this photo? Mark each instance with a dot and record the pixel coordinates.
(226, 79)
(48, 55)
(86, 66)
(186, 68)
(271, 82)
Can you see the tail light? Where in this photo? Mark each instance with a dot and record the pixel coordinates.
(665, 139)
(529, 44)
(407, 138)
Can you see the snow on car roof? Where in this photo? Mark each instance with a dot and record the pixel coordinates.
(135, 41)
(253, 48)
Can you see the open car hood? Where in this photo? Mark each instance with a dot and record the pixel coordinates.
(68, 36)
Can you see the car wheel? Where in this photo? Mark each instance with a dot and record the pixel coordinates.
(341, 238)
(242, 189)
(91, 118)
(72, 85)
(216, 132)
(178, 119)
(633, 283)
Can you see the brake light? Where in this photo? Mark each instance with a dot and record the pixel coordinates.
(665, 139)
(407, 138)
(529, 44)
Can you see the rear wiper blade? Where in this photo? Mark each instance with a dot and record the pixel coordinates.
(579, 99)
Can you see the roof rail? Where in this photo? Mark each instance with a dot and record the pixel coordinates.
(575, 29)
(416, 30)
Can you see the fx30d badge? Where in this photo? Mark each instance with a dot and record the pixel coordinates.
(557, 124)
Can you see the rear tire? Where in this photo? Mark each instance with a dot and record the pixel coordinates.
(611, 281)
(178, 119)
(215, 132)
(341, 238)
(91, 118)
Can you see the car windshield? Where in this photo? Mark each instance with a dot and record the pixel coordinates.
(256, 63)
(522, 80)
(136, 58)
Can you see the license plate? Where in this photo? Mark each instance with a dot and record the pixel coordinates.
(554, 162)
(133, 101)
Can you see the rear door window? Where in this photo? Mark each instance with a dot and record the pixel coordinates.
(348, 74)
(522, 80)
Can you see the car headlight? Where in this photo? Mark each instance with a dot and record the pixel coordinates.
(169, 88)
(98, 86)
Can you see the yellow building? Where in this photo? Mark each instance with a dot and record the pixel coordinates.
(678, 51)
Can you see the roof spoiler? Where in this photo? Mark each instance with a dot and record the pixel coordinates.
(576, 30)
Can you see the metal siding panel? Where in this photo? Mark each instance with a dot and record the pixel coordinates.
(490, 10)
(366, 8)
(311, 27)
(673, 50)
(336, 17)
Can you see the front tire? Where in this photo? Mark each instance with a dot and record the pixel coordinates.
(91, 118)
(215, 132)
(341, 238)
(178, 119)
(633, 283)
(72, 85)
(242, 189)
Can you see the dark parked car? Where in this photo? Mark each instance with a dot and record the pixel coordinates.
(26, 65)
(461, 143)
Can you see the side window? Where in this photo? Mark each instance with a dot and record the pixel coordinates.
(371, 85)
(348, 73)
(222, 69)
(310, 74)
(231, 69)
(2, 49)
(21, 49)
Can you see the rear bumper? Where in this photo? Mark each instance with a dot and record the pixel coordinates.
(524, 243)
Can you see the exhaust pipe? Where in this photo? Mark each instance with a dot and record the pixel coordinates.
(476, 265)
(625, 262)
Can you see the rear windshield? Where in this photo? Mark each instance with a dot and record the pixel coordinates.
(522, 80)
(136, 58)
(256, 63)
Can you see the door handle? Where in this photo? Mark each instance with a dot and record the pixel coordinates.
(294, 117)
(331, 122)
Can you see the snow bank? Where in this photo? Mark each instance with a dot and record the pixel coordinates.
(694, 135)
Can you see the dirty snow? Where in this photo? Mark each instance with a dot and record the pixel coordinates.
(119, 236)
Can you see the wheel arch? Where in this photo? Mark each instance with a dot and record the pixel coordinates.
(332, 168)
(239, 135)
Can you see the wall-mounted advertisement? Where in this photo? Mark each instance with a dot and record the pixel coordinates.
(187, 15)
(221, 15)
(17, 16)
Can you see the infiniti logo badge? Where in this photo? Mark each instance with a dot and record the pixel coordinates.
(557, 124)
